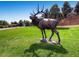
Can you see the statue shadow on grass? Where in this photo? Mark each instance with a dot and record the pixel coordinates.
(45, 46)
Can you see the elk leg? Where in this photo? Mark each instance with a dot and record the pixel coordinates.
(45, 34)
(57, 33)
(50, 39)
(43, 39)
(42, 34)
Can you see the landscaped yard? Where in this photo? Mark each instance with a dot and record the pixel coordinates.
(25, 41)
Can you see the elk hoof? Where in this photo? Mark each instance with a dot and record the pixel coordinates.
(50, 40)
(43, 40)
(58, 43)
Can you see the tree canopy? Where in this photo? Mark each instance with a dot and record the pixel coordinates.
(77, 8)
(54, 11)
(66, 8)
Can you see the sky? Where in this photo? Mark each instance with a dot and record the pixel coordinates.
(20, 10)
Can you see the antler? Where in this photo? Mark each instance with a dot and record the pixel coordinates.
(38, 10)
(33, 12)
(42, 8)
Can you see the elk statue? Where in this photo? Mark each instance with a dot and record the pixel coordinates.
(45, 23)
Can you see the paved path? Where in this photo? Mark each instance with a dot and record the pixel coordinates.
(70, 26)
(7, 28)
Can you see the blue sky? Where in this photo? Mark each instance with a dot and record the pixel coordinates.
(16, 10)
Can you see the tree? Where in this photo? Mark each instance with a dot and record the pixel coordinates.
(77, 8)
(14, 24)
(27, 23)
(66, 9)
(3, 23)
(21, 23)
(54, 11)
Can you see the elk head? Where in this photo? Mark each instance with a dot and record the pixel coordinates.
(34, 15)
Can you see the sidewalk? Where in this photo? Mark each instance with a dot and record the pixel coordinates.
(68, 26)
(7, 28)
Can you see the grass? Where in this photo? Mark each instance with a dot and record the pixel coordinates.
(25, 41)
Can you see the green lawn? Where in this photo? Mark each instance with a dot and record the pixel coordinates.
(25, 41)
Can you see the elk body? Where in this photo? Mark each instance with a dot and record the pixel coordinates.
(45, 23)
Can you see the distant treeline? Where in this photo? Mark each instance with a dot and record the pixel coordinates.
(5, 24)
(66, 10)
(53, 12)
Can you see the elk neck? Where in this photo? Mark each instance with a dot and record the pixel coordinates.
(58, 20)
(36, 22)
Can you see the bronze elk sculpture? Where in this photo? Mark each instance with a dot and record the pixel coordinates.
(45, 23)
